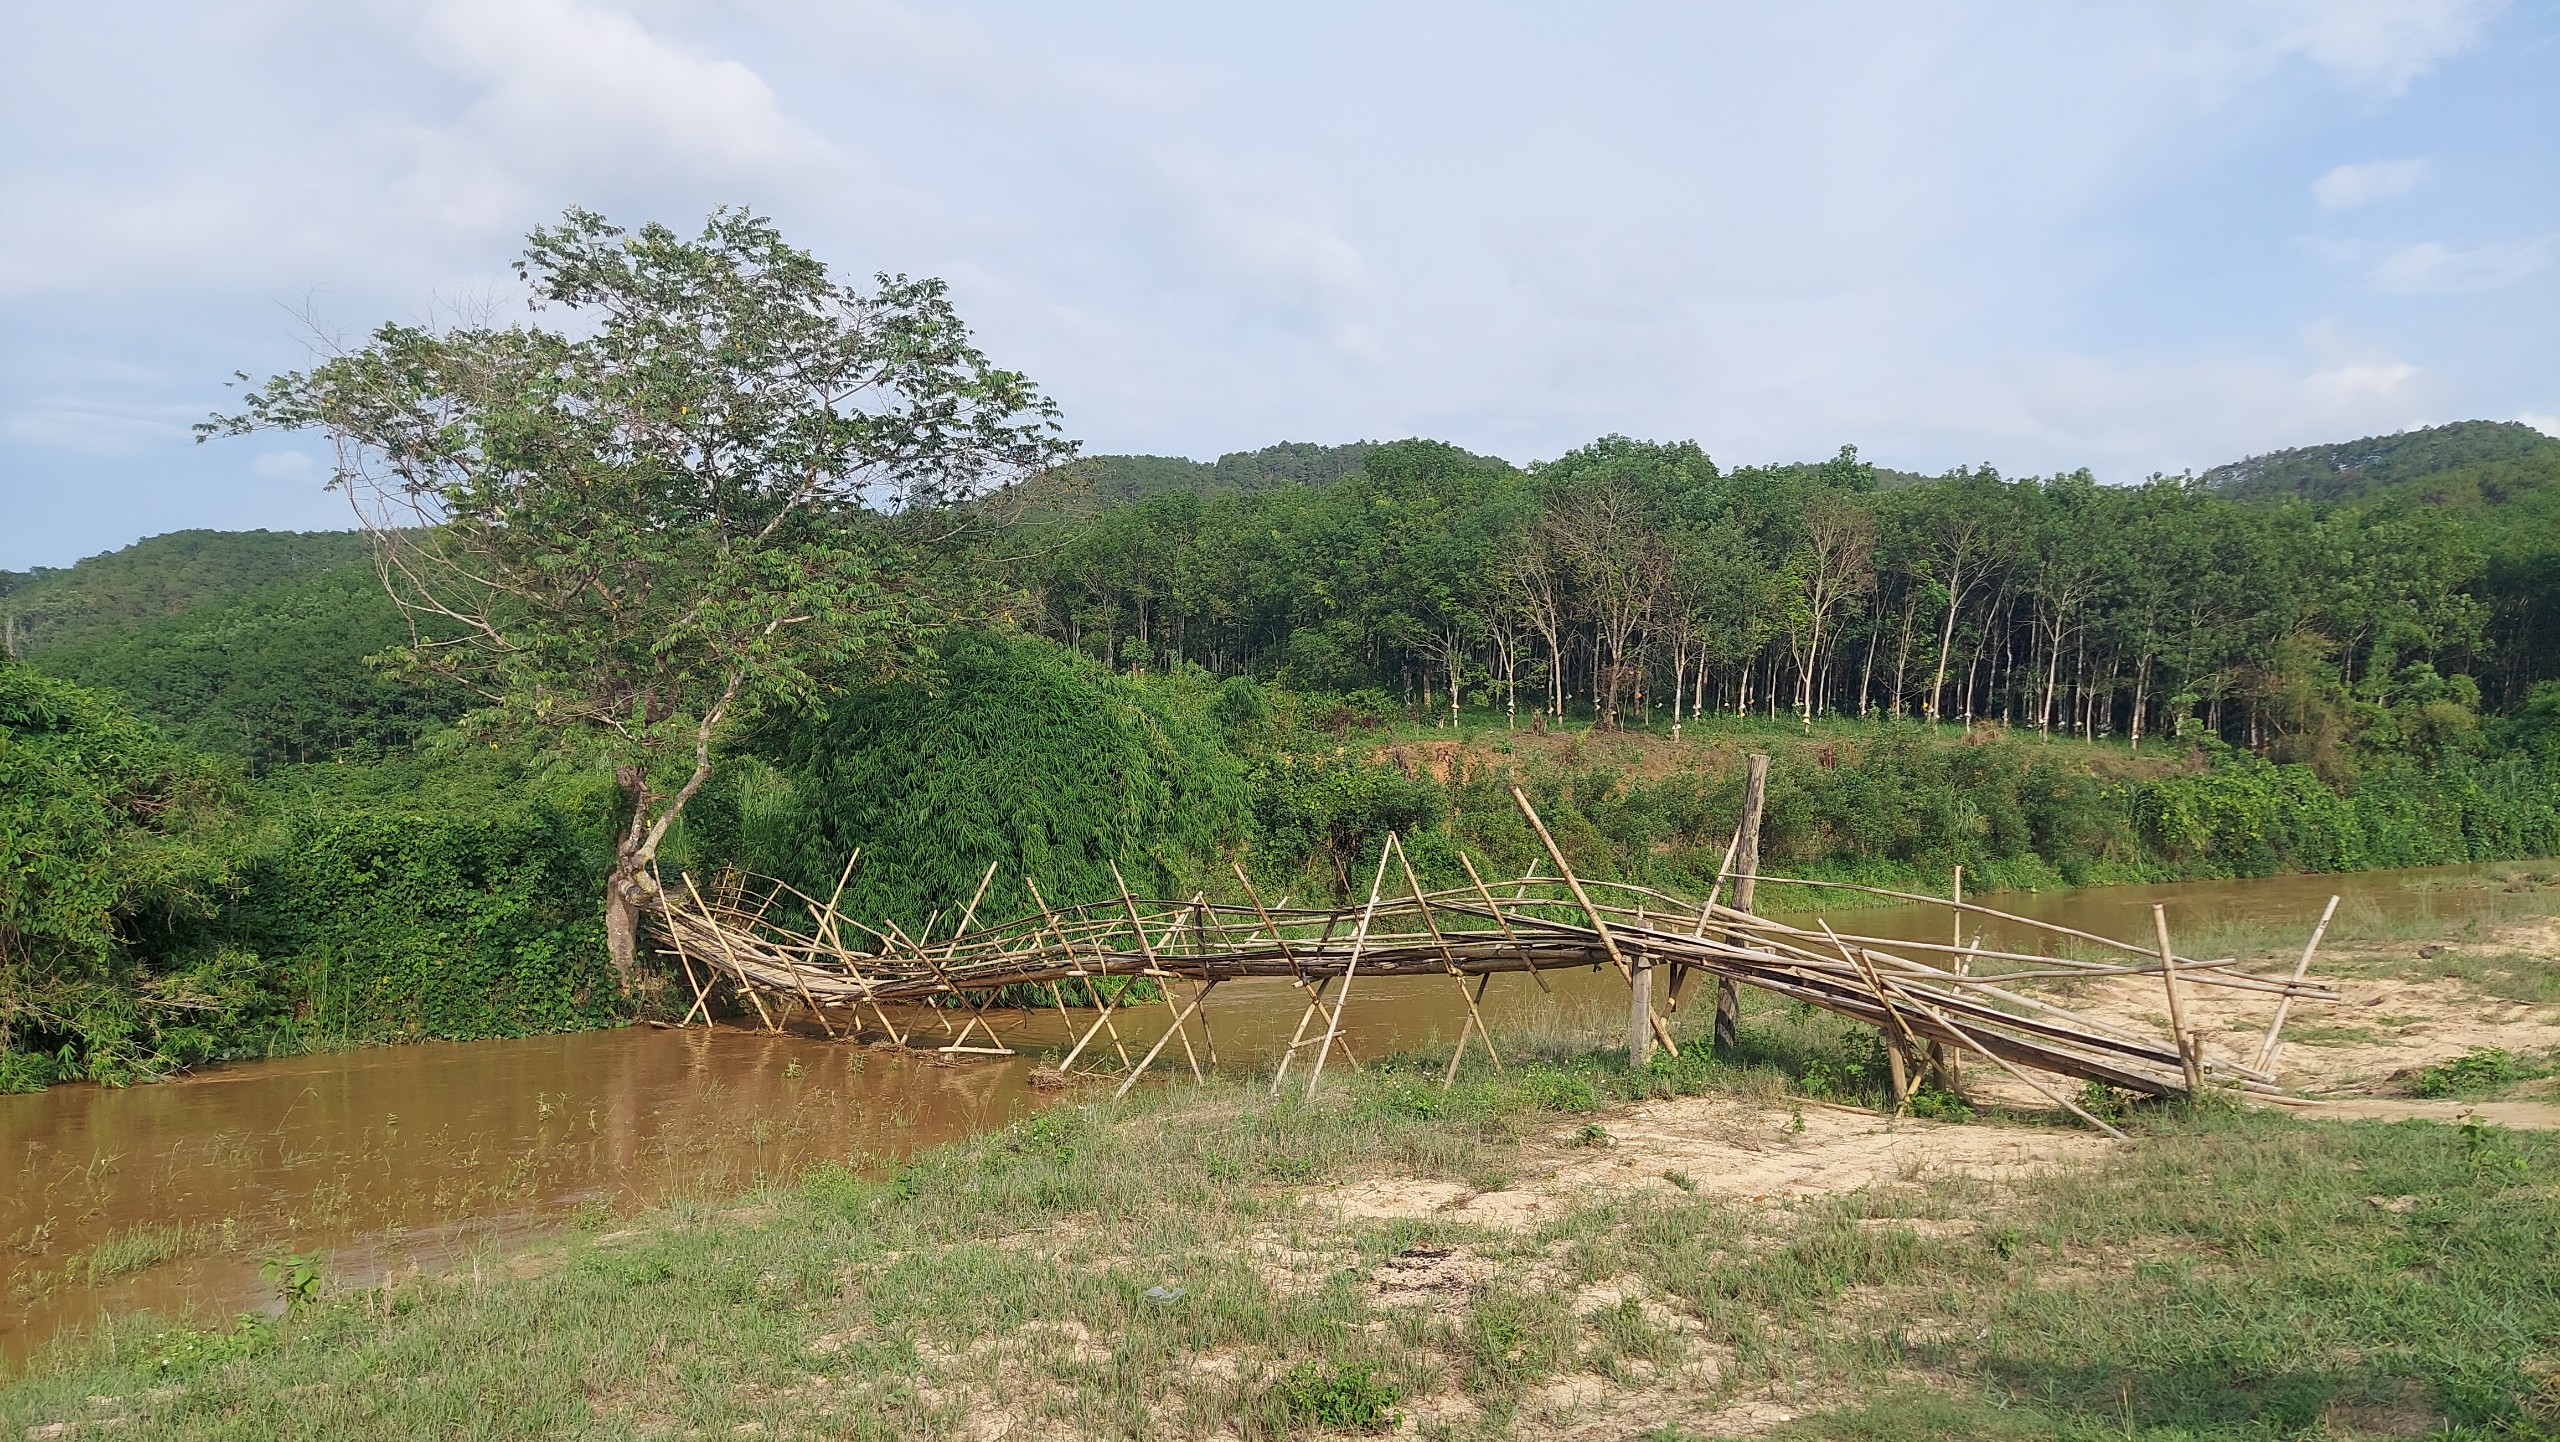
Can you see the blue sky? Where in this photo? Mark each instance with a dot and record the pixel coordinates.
(2133, 237)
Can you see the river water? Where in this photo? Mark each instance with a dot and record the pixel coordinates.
(166, 1197)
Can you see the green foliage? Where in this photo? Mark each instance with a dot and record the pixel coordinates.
(422, 917)
(296, 1276)
(157, 915)
(1334, 811)
(2249, 817)
(2481, 1070)
(1016, 754)
(1338, 1397)
(103, 856)
(274, 676)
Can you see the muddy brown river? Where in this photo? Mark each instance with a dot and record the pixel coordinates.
(433, 1156)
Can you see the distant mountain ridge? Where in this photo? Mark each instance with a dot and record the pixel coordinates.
(2466, 462)
(1290, 463)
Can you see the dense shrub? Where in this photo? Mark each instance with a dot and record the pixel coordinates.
(1017, 753)
(155, 913)
(391, 922)
(104, 850)
(2250, 817)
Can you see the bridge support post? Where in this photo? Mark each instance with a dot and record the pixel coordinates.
(1746, 875)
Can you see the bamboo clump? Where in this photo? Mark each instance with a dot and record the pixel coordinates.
(1925, 998)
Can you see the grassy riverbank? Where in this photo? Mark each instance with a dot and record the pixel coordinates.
(1509, 1258)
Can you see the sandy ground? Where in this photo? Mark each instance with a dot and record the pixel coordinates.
(2350, 1057)
(1716, 1146)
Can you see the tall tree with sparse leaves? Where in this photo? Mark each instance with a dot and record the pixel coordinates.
(704, 494)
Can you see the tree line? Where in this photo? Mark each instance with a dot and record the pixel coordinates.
(1640, 584)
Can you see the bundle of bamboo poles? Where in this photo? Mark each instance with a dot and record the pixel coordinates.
(1934, 1000)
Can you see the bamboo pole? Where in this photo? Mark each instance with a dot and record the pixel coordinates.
(1755, 796)
(2049, 1094)
(2269, 1048)
(1342, 998)
(1149, 1059)
(1475, 1021)
(2177, 1010)
(1504, 921)
(702, 986)
(1599, 923)
(730, 952)
(1679, 971)
(1898, 1039)
(1154, 968)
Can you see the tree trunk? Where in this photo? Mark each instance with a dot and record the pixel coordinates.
(1946, 642)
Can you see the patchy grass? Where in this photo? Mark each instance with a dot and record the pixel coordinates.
(1103, 1270)
(2480, 1072)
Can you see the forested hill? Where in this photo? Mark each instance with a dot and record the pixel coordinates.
(1290, 463)
(150, 580)
(2465, 463)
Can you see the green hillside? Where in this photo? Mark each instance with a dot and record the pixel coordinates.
(269, 676)
(160, 577)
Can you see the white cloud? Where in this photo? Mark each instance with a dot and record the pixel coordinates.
(82, 426)
(2379, 46)
(285, 465)
(2365, 182)
(2434, 268)
(2541, 421)
(579, 95)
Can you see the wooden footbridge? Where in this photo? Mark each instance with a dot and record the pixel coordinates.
(1933, 1003)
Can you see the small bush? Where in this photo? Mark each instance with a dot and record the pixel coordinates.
(2481, 1069)
(1338, 1396)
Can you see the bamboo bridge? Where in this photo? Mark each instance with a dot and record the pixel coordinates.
(1932, 1003)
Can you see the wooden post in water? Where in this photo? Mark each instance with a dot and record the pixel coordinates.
(1746, 873)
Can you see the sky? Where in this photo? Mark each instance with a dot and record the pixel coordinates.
(2037, 235)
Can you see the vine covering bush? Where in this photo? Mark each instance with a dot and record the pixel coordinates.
(1017, 753)
(157, 913)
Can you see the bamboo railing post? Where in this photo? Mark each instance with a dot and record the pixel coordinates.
(1503, 920)
(1898, 1040)
(1942, 1062)
(1156, 969)
(1268, 924)
(1342, 998)
(2268, 1049)
(1746, 867)
(2186, 1042)
(1200, 984)
(1599, 923)
(1680, 971)
(1475, 1019)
